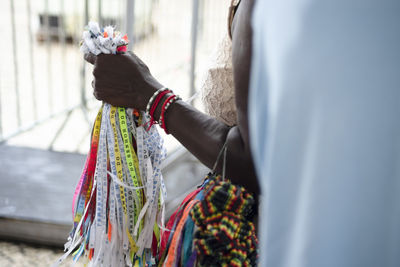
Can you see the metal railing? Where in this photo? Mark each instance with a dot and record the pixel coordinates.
(43, 76)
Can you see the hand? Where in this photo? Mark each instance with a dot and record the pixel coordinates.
(122, 80)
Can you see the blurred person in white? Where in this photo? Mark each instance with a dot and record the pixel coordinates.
(324, 118)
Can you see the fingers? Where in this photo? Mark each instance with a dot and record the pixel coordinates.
(107, 87)
(98, 96)
(115, 100)
(112, 72)
(89, 57)
(103, 96)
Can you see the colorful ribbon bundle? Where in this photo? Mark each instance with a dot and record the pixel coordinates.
(225, 235)
(118, 206)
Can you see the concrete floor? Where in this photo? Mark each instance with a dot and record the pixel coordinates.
(22, 255)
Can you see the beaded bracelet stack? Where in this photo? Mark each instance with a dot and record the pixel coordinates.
(155, 100)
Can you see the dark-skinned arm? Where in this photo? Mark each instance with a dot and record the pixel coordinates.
(124, 80)
(204, 136)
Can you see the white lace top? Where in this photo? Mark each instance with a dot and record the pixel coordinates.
(217, 87)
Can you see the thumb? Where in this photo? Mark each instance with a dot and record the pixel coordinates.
(89, 57)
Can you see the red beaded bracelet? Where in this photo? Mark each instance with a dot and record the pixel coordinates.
(154, 106)
(171, 99)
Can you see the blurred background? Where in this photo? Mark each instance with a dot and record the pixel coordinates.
(47, 108)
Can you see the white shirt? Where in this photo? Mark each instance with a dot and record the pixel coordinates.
(324, 112)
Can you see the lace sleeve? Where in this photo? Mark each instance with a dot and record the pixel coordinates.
(217, 87)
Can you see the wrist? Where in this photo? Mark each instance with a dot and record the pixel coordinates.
(158, 105)
(147, 95)
(157, 112)
(167, 103)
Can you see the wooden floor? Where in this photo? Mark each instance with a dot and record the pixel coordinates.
(36, 189)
